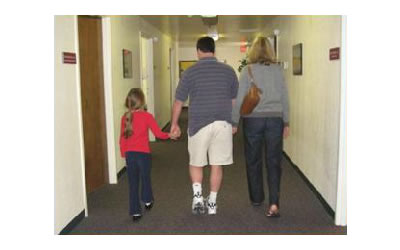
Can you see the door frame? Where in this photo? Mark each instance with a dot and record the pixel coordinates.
(108, 98)
(341, 198)
(80, 116)
(150, 100)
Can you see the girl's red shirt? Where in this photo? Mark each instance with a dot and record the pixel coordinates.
(139, 140)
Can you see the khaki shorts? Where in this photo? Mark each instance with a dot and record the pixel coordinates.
(215, 139)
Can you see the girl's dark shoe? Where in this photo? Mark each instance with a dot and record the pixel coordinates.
(148, 206)
(137, 217)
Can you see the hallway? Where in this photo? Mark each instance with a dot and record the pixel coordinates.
(302, 212)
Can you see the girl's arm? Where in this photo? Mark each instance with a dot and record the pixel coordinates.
(155, 129)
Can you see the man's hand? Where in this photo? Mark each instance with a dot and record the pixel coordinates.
(234, 130)
(175, 131)
(176, 111)
(286, 132)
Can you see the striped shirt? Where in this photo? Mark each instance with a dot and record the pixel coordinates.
(210, 86)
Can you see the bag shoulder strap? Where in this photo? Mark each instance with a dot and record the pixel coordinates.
(250, 74)
(252, 81)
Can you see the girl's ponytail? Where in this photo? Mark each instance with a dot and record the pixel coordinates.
(128, 131)
(134, 100)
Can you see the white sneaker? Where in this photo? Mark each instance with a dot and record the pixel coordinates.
(198, 205)
(211, 207)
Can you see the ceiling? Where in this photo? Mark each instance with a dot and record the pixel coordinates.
(231, 29)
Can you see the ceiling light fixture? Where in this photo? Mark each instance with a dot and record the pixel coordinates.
(212, 32)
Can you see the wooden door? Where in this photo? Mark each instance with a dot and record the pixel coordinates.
(93, 106)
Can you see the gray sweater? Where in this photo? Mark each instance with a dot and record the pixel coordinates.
(274, 99)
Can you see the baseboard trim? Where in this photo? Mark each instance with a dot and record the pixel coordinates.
(325, 204)
(73, 223)
(121, 172)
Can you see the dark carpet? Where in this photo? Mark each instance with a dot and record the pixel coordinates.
(301, 211)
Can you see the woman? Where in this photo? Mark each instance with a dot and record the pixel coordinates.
(267, 124)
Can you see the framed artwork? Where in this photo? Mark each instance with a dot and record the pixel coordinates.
(127, 63)
(298, 59)
(183, 65)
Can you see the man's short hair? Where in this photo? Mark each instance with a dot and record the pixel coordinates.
(206, 44)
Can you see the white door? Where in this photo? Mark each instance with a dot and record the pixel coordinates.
(146, 74)
(172, 75)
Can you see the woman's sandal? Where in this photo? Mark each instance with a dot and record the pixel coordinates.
(271, 214)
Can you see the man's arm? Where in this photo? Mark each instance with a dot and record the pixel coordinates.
(182, 93)
(176, 112)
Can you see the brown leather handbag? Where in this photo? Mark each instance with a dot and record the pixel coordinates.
(252, 98)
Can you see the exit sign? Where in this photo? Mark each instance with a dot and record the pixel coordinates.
(334, 54)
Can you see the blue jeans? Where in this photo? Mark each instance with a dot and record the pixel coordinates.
(139, 170)
(264, 133)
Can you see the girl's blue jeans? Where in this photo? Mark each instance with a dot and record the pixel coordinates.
(139, 171)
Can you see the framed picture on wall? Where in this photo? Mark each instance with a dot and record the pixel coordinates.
(184, 65)
(127, 63)
(298, 59)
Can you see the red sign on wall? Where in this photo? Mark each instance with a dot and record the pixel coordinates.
(243, 45)
(69, 58)
(334, 54)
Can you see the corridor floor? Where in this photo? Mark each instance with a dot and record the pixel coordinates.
(301, 211)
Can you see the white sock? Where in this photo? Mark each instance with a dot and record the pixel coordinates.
(197, 189)
(213, 197)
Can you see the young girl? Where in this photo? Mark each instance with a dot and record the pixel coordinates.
(134, 146)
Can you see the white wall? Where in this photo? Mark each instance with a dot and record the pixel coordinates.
(314, 97)
(125, 35)
(69, 190)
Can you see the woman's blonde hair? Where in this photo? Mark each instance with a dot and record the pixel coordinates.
(134, 101)
(261, 51)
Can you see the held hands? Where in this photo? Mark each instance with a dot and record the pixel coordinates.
(175, 132)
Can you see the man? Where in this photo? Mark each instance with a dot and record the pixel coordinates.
(212, 88)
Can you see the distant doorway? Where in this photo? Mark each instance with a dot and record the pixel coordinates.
(147, 74)
(92, 98)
